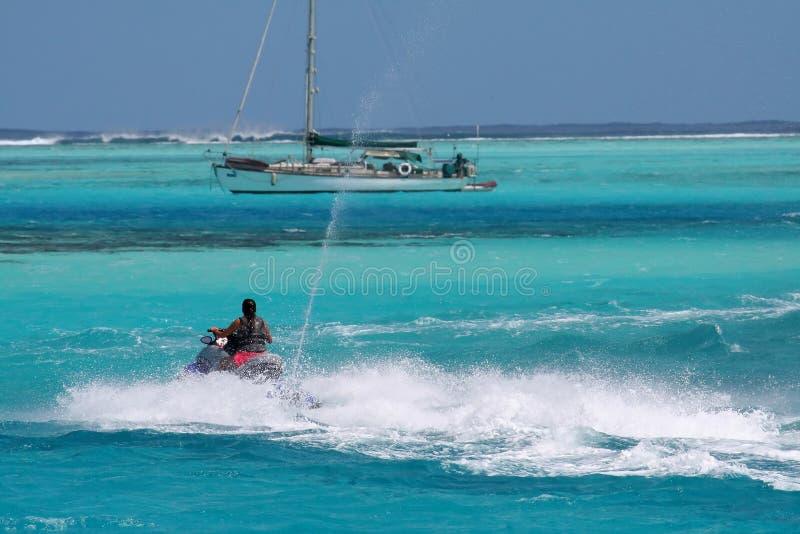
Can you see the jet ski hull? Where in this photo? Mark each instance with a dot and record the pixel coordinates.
(259, 369)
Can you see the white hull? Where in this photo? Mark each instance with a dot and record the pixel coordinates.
(267, 181)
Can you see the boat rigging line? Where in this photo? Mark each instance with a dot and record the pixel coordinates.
(252, 74)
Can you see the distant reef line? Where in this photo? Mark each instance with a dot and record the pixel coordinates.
(613, 129)
(776, 127)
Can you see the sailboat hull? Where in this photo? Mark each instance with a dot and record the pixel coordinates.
(275, 181)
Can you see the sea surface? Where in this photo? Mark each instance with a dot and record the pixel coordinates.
(608, 342)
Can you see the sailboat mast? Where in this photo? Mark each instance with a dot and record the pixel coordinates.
(310, 89)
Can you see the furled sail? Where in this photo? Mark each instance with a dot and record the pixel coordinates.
(315, 139)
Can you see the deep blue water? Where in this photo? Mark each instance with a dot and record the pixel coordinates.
(608, 341)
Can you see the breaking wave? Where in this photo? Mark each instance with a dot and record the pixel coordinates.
(123, 138)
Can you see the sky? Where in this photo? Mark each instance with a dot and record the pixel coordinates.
(132, 65)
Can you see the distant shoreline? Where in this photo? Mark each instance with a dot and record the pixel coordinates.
(25, 137)
(616, 129)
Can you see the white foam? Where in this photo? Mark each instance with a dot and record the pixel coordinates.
(753, 308)
(35, 141)
(176, 137)
(188, 404)
(485, 421)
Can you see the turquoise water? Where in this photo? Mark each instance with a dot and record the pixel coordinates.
(608, 341)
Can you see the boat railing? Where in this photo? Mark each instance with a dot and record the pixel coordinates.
(215, 156)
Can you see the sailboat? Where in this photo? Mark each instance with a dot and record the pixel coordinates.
(379, 166)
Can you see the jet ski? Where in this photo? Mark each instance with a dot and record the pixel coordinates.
(258, 369)
(261, 369)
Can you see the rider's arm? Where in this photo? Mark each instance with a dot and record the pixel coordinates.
(269, 336)
(228, 331)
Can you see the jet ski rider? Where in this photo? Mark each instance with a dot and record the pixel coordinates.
(249, 335)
